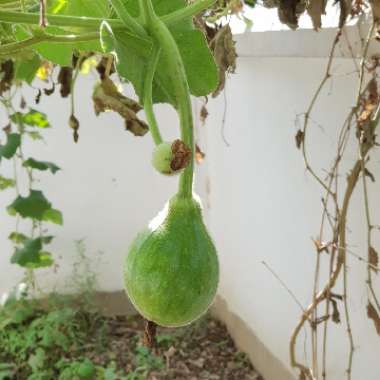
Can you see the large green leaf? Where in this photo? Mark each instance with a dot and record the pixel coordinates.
(31, 253)
(9, 149)
(33, 206)
(41, 165)
(133, 55)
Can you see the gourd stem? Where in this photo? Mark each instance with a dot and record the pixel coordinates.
(159, 31)
(148, 100)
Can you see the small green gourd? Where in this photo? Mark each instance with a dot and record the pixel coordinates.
(171, 272)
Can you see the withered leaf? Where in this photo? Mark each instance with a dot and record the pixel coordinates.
(107, 97)
(6, 74)
(223, 47)
(299, 138)
(49, 91)
(373, 259)
(203, 114)
(335, 314)
(316, 9)
(74, 125)
(65, 77)
(181, 155)
(289, 12)
(37, 98)
(372, 314)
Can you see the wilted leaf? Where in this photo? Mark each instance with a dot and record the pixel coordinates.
(335, 314)
(107, 97)
(34, 206)
(9, 149)
(369, 174)
(203, 114)
(41, 165)
(6, 183)
(299, 138)
(372, 314)
(74, 125)
(373, 259)
(65, 76)
(316, 9)
(225, 55)
(289, 12)
(6, 75)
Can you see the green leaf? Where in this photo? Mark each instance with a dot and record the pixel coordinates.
(9, 149)
(17, 237)
(6, 183)
(41, 165)
(34, 206)
(25, 70)
(31, 255)
(133, 55)
(33, 118)
(53, 216)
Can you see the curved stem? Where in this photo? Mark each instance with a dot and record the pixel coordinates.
(129, 21)
(164, 38)
(148, 101)
(187, 12)
(15, 47)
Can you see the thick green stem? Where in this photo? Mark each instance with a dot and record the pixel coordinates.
(148, 100)
(159, 31)
(15, 47)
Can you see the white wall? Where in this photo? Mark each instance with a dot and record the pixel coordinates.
(265, 207)
(260, 203)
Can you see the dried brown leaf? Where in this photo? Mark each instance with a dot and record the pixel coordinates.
(369, 174)
(289, 12)
(300, 136)
(372, 314)
(335, 314)
(107, 97)
(373, 259)
(223, 47)
(203, 114)
(316, 9)
(65, 77)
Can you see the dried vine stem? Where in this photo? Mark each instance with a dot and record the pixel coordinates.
(339, 227)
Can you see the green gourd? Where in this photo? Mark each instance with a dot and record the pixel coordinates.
(171, 272)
